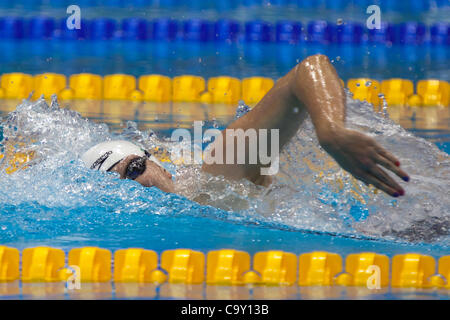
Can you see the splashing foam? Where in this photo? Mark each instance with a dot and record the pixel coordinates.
(311, 192)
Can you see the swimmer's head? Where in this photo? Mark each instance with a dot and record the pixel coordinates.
(130, 161)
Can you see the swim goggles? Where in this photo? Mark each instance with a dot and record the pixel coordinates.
(136, 166)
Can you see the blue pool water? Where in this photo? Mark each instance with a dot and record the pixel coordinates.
(57, 202)
(313, 205)
(213, 59)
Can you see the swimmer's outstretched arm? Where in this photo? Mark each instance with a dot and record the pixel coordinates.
(312, 87)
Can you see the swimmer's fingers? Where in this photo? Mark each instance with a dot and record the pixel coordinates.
(389, 156)
(382, 176)
(382, 160)
(377, 183)
(392, 163)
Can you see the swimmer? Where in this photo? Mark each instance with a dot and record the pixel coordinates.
(311, 88)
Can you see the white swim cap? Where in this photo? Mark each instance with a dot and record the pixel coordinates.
(105, 155)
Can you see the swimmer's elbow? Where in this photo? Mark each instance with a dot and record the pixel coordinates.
(311, 61)
(315, 58)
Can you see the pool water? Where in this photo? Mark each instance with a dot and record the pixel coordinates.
(212, 59)
(312, 206)
(57, 202)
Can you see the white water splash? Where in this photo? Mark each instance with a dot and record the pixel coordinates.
(311, 192)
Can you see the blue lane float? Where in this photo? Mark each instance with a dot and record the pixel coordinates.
(12, 28)
(440, 33)
(64, 33)
(319, 32)
(197, 30)
(258, 31)
(384, 35)
(288, 31)
(351, 32)
(410, 33)
(102, 29)
(226, 30)
(41, 28)
(135, 29)
(408, 7)
(165, 29)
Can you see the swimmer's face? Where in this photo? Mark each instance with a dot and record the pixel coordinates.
(153, 176)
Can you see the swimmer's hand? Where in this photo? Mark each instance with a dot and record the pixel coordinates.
(362, 156)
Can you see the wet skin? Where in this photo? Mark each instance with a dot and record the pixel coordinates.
(311, 88)
(153, 176)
